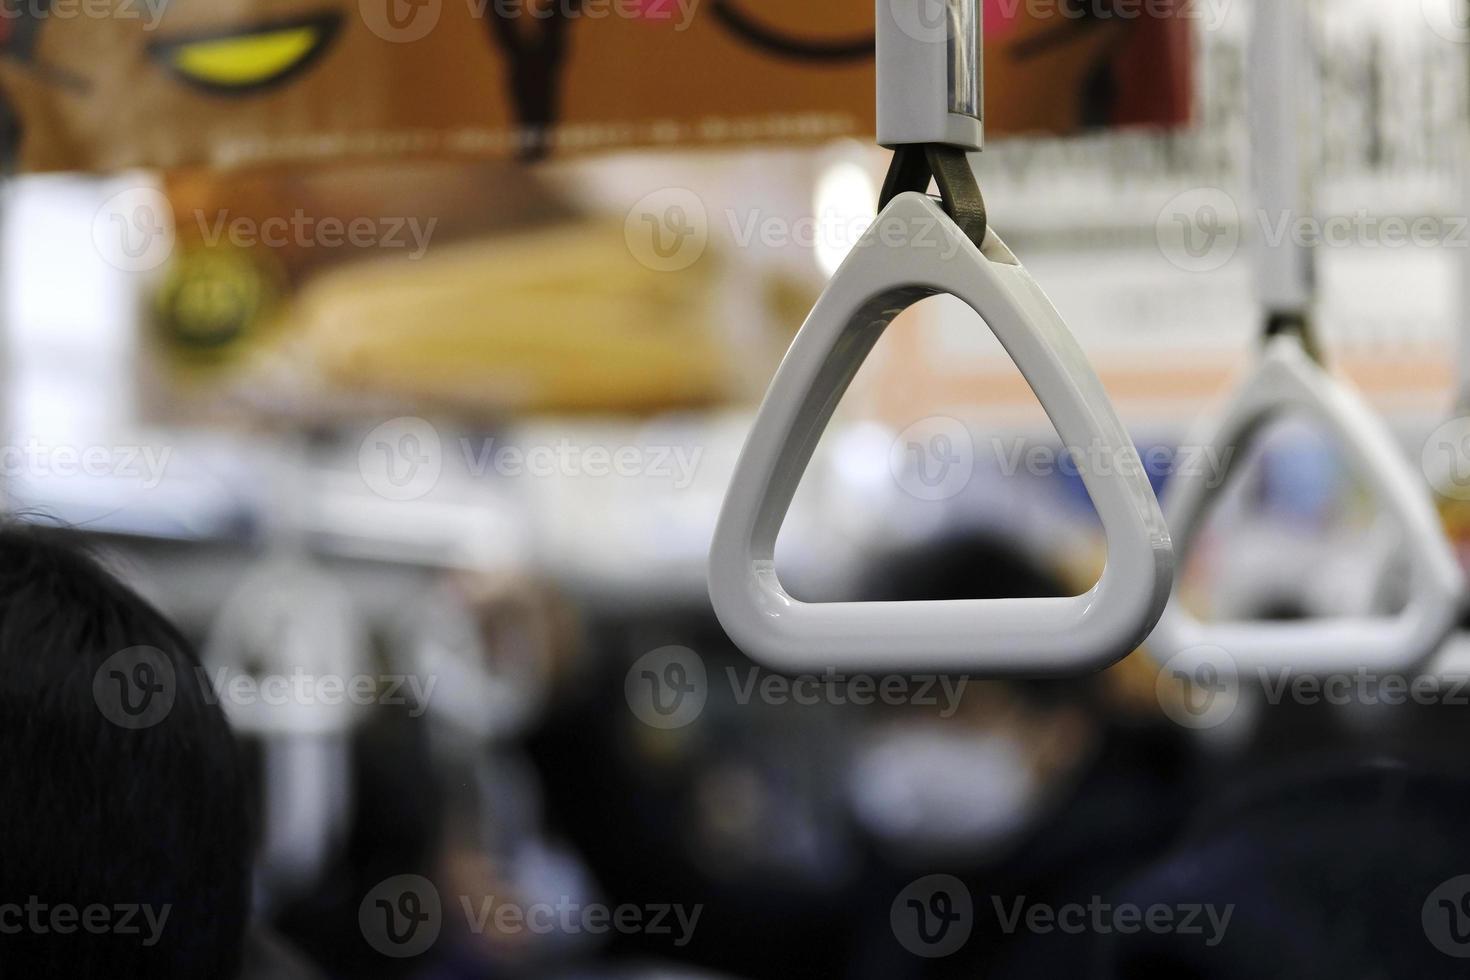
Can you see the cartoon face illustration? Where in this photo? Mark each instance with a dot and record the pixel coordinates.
(236, 83)
(245, 82)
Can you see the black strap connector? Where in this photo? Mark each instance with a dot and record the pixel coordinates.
(914, 166)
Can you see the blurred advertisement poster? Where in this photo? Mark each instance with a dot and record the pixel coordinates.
(100, 85)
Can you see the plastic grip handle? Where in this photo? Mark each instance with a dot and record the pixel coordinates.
(914, 250)
(1288, 380)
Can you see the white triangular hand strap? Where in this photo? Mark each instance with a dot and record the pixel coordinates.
(1290, 381)
(913, 251)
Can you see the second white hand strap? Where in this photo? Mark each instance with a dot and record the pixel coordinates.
(1290, 380)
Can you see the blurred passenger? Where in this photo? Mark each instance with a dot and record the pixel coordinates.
(127, 842)
(1327, 867)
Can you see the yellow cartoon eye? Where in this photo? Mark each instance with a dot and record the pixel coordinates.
(248, 59)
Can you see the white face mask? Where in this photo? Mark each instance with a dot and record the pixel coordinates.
(926, 791)
(484, 683)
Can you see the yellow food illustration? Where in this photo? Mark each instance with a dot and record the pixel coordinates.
(562, 319)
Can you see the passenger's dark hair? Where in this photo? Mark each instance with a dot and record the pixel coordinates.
(131, 814)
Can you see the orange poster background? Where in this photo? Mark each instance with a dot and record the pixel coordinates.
(105, 93)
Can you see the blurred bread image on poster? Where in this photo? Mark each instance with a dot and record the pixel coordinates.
(283, 127)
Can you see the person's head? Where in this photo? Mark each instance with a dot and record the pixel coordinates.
(125, 836)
